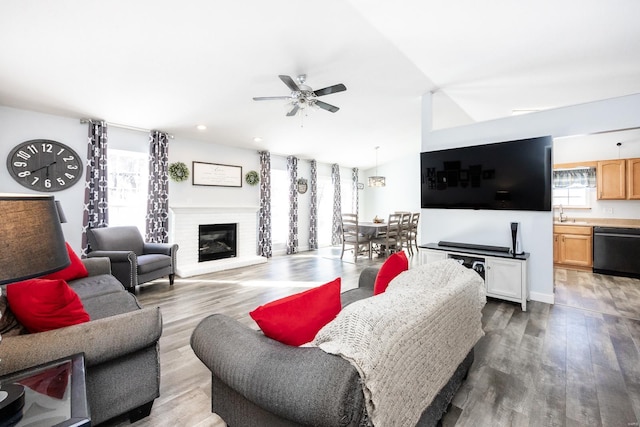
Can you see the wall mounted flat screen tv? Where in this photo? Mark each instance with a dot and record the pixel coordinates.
(513, 175)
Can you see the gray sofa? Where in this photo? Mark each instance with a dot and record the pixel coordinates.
(120, 346)
(259, 381)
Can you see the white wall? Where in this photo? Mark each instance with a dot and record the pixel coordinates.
(600, 147)
(491, 227)
(17, 126)
(402, 190)
(185, 194)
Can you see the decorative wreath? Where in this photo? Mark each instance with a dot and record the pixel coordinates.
(252, 178)
(178, 171)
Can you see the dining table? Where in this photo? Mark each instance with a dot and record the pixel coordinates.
(371, 229)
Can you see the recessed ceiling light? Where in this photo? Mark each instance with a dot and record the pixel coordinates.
(201, 127)
(257, 139)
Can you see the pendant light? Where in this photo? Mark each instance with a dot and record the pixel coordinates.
(377, 180)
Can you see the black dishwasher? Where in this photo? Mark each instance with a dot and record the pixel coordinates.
(616, 251)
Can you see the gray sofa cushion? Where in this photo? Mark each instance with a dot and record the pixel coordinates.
(125, 238)
(152, 262)
(93, 286)
(107, 305)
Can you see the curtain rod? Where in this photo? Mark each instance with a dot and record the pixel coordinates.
(127, 127)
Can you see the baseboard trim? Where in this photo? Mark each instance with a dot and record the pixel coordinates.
(217, 265)
(540, 297)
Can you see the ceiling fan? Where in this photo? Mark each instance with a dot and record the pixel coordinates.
(302, 96)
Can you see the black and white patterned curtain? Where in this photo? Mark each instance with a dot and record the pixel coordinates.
(582, 177)
(265, 248)
(313, 207)
(336, 232)
(292, 239)
(157, 220)
(354, 192)
(96, 203)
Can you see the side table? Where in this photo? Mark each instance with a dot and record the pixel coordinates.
(55, 394)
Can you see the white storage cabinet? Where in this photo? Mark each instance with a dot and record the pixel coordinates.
(505, 276)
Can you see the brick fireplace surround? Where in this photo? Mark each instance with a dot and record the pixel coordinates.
(183, 230)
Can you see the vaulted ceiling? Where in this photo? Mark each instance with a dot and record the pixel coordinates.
(169, 65)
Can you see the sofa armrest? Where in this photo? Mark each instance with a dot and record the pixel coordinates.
(114, 256)
(160, 248)
(302, 384)
(100, 340)
(124, 266)
(368, 277)
(97, 265)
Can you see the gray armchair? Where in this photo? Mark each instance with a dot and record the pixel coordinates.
(133, 261)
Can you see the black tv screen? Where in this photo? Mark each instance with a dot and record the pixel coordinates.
(513, 175)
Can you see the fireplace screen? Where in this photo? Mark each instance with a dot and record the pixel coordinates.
(216, 241)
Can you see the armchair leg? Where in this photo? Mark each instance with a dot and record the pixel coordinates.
(171, 277)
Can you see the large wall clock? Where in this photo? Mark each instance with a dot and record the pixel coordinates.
(44, 165)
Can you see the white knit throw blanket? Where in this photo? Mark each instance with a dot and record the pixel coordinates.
(408, 341)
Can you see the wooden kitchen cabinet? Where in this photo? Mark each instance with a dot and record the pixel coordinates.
(573, 246)
(633, 179)
(612, 179)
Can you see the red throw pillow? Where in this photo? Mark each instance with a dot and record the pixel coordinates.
(42, 305)
(75, 270)
(394, 265)
(296, 319)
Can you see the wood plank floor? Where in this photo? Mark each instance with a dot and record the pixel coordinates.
(576, 363)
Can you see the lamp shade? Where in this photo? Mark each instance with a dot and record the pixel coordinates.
(31, 239)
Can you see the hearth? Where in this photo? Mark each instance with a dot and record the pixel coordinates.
(216, 241)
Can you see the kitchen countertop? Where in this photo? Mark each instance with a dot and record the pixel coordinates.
(601, 222)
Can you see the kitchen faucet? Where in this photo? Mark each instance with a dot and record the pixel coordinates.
(563, 217)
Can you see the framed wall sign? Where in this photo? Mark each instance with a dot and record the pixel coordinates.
(215, 174)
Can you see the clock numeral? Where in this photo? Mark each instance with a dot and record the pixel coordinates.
(32, 148)
(68, 159)
(61, 181)
(23, 155)
(47, 183)
(35, 179)
(72, 167)
(68, 175)
(47, 148)
(24, 174)
(20, 164)
(60, 152)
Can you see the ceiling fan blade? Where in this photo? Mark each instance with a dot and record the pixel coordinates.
(290, 83)
(331, 89)
(270, 98)
(326, 106)
(293, 111)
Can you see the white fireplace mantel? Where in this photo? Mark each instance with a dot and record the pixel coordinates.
(183, 230)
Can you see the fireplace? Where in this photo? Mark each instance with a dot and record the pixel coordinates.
(216, 241)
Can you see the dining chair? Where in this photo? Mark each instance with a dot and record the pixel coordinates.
(413, 230)
(405, 228)
(351, 236)
(388, 240)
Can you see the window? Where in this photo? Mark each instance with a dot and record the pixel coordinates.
(325, 210)
(576, 197)
(572, 187)
(128, 186)
(279, 209)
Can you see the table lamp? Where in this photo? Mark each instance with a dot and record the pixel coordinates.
(31, 245)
